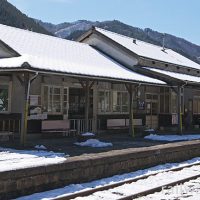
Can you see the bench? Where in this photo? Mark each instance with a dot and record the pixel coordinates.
(57, 127)
(119, 124)
(116, 124)
(4, 136)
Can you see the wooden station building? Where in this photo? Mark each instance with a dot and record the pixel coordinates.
(103, 81)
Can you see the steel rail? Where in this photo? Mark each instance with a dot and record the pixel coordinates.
(159, 188)
(114, 185)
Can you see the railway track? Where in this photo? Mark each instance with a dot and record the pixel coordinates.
(192, 171)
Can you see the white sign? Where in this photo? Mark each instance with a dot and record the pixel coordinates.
(37, 117)
(34, 100)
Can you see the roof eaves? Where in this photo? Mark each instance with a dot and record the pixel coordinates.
(85, 35)
(164, 62)
(168, 79)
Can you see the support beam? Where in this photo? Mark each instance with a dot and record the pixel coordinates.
(87, 105)
(26, 84)
(87, 85)
(180, 126)
(24, 121)
(129, 87)
(95, 109)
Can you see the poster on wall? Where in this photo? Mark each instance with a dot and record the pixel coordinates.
(141, 105)
(174, 119)
(34, 100)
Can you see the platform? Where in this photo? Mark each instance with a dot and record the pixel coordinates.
(93, 166)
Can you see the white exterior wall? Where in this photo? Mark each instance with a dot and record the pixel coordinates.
(112, 50)
(4, 53)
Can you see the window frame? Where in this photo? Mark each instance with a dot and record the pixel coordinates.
(9, 85)
(121, 105)
(109, 100)
(196, 97)
(62, 88)
(163, 94)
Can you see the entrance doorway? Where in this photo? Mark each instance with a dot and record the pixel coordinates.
(152, 106)
(77, 103)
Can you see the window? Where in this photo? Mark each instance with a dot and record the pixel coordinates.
(55, 100)
(152, 103)
(4, 98)
(104, 101)
(164, 100)
(196, 105)
(120, 101)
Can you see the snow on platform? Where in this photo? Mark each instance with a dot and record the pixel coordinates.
(61, 192)
(172, 138)
(94, 143)
(11, 159)
(87, 134)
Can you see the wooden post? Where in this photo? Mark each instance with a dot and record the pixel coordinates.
(95, 109)
(24, 121)
(131, 123)
(180, 127)
(87, 85)
(87, 104)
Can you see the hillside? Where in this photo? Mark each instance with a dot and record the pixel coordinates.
(10, 15)
(73, 30)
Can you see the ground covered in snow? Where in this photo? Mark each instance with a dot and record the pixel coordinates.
(94, 143)
(11, 159)
(172, 138)
(187, 191)
(98, 183)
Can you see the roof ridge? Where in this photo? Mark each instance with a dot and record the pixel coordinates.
(131, 38)
(43, 35)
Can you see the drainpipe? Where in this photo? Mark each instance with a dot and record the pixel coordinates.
(27, 85)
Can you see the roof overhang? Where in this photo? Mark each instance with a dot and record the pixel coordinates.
(26, 67)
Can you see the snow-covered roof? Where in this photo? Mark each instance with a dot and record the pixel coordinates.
(50, 53)
(150, 51)
(180, 76)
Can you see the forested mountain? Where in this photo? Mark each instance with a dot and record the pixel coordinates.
(10, 15)
(73, 30)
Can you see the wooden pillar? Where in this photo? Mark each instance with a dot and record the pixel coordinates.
(95, 109)
(87, 85)
(131, 123)
(87, 105)
(24, 121)
(180, 127)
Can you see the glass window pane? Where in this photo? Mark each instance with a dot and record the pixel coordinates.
(154, 108)
(166, 103)
(57, 90)
(148, 96)
(162, 103)
(174, 102)
(3, 98)
(107, 101)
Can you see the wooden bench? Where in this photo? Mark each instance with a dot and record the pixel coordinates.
(57, 127)
(116, 124)
(4, 135)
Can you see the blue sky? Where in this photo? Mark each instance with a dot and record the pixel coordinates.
(177, 17)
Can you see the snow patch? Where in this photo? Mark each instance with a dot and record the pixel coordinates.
(94, 143)
(87, 134)
(40, 147)
(171, 138)
(12, 159)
